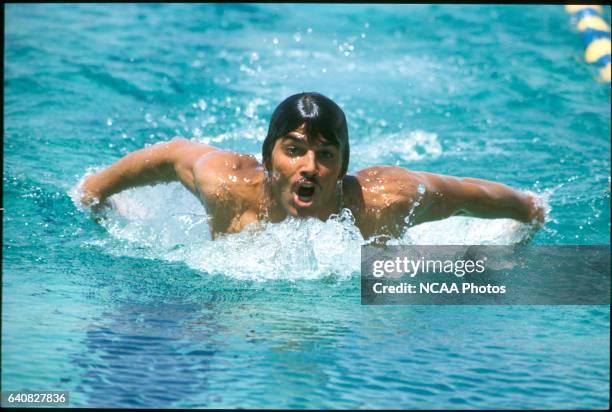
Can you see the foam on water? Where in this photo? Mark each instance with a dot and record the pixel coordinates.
(167, 222)
(398, 147)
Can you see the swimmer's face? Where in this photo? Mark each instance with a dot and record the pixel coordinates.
(304, 172)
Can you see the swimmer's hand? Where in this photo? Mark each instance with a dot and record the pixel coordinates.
(92, 199)
(89, 198)
(536, 217)
(537, 211)
(95, 205)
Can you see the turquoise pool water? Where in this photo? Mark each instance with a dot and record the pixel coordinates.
(143, 309)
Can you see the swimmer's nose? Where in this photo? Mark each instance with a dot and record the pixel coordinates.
(309, 165)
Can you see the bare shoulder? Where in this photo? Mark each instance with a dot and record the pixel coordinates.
(388, 184)
(225, 161)
(380, 197)
(394, 196)
(224, 175)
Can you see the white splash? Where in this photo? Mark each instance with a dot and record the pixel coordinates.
(167, 222)
(411, 146)
(459, 230)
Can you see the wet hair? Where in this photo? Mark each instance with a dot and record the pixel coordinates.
(320, 116)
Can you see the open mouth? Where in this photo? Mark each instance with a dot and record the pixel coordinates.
(305, 194)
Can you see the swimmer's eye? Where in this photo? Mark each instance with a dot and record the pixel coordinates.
(327, 154)
(292, 151)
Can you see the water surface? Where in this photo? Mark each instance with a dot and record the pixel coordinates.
(143, 309)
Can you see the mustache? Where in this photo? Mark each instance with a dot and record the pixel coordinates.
(314, 180)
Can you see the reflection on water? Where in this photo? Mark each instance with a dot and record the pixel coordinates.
(136, 357)
(267, 348)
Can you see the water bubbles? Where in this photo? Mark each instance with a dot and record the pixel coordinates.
(421, 188)
(202, 104)
(275, 40)
(246, 69)
(148, 117)
(222, 80)
(252, 107)
(297, 37)
(232, 178)
(109, 122)
(347, 47)
(386, 200)
(408, 146)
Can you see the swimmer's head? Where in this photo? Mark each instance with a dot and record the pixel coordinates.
(320, 117)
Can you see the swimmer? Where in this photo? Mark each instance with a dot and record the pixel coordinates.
(303, 174)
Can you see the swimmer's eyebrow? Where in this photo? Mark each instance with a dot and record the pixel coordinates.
(300, 138)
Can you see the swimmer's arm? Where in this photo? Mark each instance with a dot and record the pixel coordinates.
(447, 196)
(159, 163)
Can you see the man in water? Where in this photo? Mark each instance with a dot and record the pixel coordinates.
(304, 174)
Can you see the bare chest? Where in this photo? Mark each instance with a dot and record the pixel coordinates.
(228, 222)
